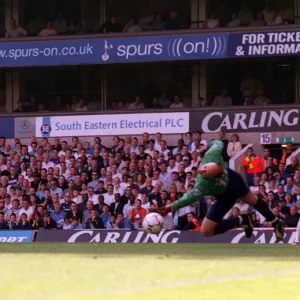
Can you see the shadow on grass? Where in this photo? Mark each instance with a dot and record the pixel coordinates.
(182, 251)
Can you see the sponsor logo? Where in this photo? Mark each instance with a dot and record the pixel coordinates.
(107, 47)
(25, 125)
(46, 129)
(260, 236)
(123, 237)
(15, 236)
(264, 237)
(250, 120)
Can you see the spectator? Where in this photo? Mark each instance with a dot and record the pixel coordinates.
(193, 223)
(287, 13)
(48, 31)
(223, 99)
(49, 223)
(235, 21)
(292, 219)
(177, 103)
(245, 15)
(112, 223)
(212, 22)
(259, 20)
(60, 25)
(121, 222)
(3, 223)
(72, 28)
(37, 221)
(80, 106)
(67, 224)
(105, 216)
(35, 25)
(111, 26)
(137, 214)
(26, 208)
(19, 106)
(164, 100)
(155, 103)
(81, 28)
(173, 22)
(76, 225)
(15, 31)
(234, 146)
(24, 224)
(261, 99)
(58, 215)
(12, 222)
(137, 104)
(158, 24)
(94, 222)
(253, 165)
(132, 26)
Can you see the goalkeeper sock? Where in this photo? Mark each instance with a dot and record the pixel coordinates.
(262, 207)
(226, 225)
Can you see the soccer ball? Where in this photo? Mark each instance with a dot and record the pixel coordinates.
(153, 223)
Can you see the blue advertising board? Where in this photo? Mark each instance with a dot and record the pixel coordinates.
(16, 236)
(7, 127)
(264, 44)
(114, 50)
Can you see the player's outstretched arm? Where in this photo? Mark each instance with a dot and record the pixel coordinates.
(188, 199)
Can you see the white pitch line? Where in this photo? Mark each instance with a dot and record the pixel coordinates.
(116, 291)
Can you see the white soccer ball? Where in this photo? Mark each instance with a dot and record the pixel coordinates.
(153, 223)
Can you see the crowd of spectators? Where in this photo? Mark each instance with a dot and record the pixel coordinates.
(58, 185)
(271, 15)
(276, 181)
(223, 16)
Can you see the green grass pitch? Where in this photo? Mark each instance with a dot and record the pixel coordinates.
(149, 271)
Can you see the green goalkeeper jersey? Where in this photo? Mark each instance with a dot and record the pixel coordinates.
(218, 185)
(206, 187)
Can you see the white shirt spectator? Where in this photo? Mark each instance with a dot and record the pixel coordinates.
(233, 148)
(108, 199)
(61, 153)
(94, 199)
(202, 142)
(136, 149)
(165, 153)
(127, 208)
(150, 152)
(119, 190)
(177, 105)
(48, 165)
(79, 108)
(174, 169)
(146, 206)
(254, 189)
(242, 207)
(16, 32)
(222, 101)
(28, 212)
(135, 105)
(157, 146)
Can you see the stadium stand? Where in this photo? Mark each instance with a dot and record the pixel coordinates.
(56, 185)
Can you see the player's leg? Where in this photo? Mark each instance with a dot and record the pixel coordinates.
(257, 202)
(262, 207)
(214, 223)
